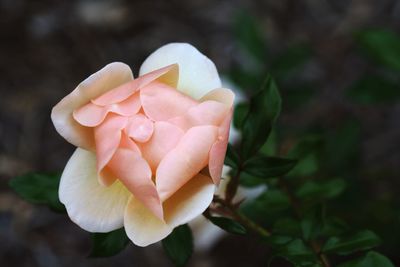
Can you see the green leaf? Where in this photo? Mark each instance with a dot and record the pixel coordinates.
(270, 147)
(232, 158)
(278, 240)
(179, 245)
(333, 226)
(270, 202)
(108, 244)
(307, 151)
(286, 226)
(298, 253)
(372, 259)
(265, 107)
(228, 225)
(249, 36)
(381, 45)
(372, 89)
(39, 188)
(345, 245)
(240, 112)
(321, 190)
(266, 167)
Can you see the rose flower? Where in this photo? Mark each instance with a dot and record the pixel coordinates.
(150, 150)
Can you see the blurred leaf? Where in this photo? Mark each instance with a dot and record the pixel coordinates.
(382, 46)
(266, 167)
(108, 244)
(298, 253)
(228, 225)
(345, 245)
(290, 60)
(311, 224)
(249, 36)
(232, 158)
(179, 245)
(270, 202)
(373, 89)
(307, 150)
(323, 190)
(248, 180)
(276, 240)
(240, 112)
(372, 259)
(265, 107)
(333, 226)
(286, 226)
(39, 188)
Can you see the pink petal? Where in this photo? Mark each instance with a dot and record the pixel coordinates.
(168, 75)
(90, 115)
(165, 137)
(140, 128)
(189, 157)
(206, 113)
(107, 137)
(134, 172)
(161, 102)
(218, 150)
(128, 107)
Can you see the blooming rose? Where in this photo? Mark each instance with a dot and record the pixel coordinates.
(150, 150)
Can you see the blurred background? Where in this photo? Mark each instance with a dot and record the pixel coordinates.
(337, 63)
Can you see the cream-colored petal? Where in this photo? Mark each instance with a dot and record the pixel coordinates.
(197, 73)
(190, 201)
(107, 78)
(142, 226)
(93, 207)
(222, 95)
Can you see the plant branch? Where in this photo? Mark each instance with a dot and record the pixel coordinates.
(294, 202)
(241, 218)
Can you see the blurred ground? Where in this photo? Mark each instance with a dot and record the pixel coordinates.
(48, 47)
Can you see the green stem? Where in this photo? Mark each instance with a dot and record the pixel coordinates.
(240, 217)
(294, 202)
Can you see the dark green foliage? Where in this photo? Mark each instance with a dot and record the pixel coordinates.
(266, 167)
(298, 253)
(381, 45)
(228, 225)
(322, 190)
(240, 113)
(265, 107)
(347, 244)
(372, 259)
(179, 245)
(38, 188)
(108, 244)
(232, 158)
(374, 89)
